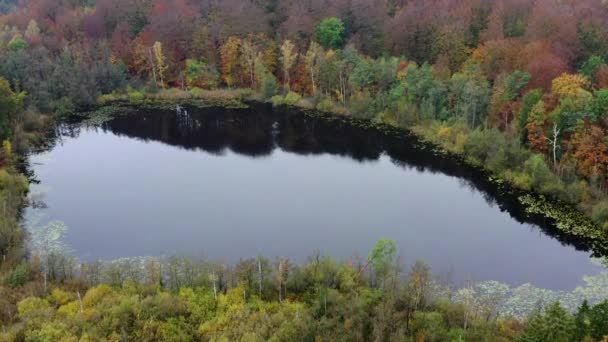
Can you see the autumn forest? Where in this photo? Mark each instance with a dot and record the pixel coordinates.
(516, 88)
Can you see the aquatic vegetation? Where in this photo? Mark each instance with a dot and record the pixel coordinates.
(567, 219)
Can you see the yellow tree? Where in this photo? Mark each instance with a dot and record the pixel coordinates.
(537, 122)
(313, 59)
(32, 32)
(288, 59)
(160, 62)
(588, 146)
(570, 85)
(141, 63)
(269, 55)
(229, 58)
(250, 54)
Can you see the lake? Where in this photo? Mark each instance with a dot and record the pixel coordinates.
(231, 183)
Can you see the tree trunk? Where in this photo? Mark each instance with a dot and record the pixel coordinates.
(153, 66)
(260, 277)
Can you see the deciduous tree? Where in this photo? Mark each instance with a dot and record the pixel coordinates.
(288, 58)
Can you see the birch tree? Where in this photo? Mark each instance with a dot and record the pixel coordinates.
(313, 59)
(160, 64)
(288, 59)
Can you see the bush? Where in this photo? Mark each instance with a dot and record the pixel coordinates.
(483, 144)
(362, 106)
(406, 112)
(599, 213)
(104, 99)
(520, 180)
(19, 276)
(96, 294)
(277, 100)
(292, 98)
(326, 105)
(135, 97)
(196, 92)
(60, 297)
(540, 173)
(386, 118)
(64, 106)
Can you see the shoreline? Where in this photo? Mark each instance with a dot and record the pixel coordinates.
(565, 217)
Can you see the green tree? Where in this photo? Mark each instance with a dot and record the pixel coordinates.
(527, 104)
(597, 107)
(10, 103)
(269, 85)
(200, 74)
(582, 322)
(17, 43)
(330, 33)
(591, 66)
(555, 325)
(514, 83)
(382, 257)
(471, 96)
(598, 320)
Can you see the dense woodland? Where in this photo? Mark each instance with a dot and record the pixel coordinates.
(518, 86)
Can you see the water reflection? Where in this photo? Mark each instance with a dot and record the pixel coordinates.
(257, 132)
(279, 182)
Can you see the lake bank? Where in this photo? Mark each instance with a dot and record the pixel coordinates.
(568, 219)
(387, 183)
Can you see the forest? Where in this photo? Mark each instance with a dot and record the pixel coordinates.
(519, 87)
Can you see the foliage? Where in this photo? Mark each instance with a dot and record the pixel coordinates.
(383, 256)
(200, 74)
(570, 85)
(269, 85)
(288, 59)
(290, 99)
(330, 33)
(18, 276)
(10, 103)
(494, 82)
(591, 66)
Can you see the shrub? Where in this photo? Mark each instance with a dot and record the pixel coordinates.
(18, 276)
(599, 213)
(406, 113)
(484, 144)
(292, 98)
(32, 307)
(386, 118)
(135, 97)
(521, 180)
(330, 106)
(362, 106)
(64, 106)
(60, 297)
(326, 105)
(104, 99)
(96, 294)
(277, 100)
(196, 92)
(540, 173)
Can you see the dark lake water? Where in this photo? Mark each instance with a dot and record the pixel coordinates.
(246, 182)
